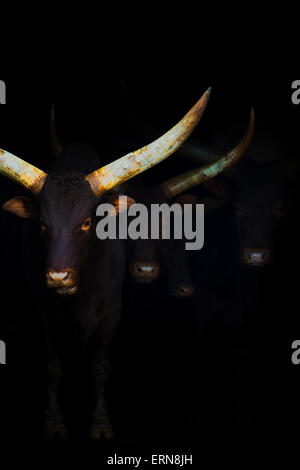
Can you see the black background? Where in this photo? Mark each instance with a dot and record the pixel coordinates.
(155, 389)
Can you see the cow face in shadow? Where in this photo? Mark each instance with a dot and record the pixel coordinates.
(258, 209)
(257, 193)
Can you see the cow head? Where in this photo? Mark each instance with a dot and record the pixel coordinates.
(65, 209)
(257, 192)
(65, 203)
(258, 208)
(151, 257)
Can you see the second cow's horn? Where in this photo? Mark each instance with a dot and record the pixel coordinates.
(181, 183)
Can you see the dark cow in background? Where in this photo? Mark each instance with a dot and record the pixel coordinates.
(243, 288)
(255, 185)
(151, 260)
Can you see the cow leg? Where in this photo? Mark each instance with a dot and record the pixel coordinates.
(101, 428)
(54, 424)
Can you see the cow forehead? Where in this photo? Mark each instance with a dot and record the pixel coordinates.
(254, 179)
(66, 197)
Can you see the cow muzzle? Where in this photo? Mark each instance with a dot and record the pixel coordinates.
(63, 281)
(255, 257)
(145, 272)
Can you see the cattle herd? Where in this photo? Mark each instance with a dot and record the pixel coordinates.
(146, 317)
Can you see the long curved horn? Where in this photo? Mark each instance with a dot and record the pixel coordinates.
(132, 164)
(22, 172)
(56, 145)
(175, 186)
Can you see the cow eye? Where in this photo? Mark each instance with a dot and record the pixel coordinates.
(86, 225)
(239, 209)
(278, 209)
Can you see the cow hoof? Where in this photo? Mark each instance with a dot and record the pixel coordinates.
(101, 430)
(54, 431)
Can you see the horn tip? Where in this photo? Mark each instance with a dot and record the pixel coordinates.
(208, 92)
(206, 95)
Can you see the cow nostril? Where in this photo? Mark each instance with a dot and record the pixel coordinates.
(145, 270)
(256, 256)
(59, 276)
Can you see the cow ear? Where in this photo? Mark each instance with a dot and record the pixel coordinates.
(21, 206)
(220, 187)
(121, 203)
